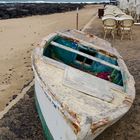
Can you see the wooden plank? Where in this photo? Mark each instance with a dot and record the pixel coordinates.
(87, 84)
(53, 62)
(85, 55)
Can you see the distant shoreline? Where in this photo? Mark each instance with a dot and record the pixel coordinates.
(16, 10)
(43, 2)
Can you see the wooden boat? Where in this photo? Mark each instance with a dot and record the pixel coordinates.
(82, 85)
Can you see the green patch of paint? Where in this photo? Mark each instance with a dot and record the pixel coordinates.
(47, 133)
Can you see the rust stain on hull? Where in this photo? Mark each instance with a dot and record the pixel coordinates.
(99, 124)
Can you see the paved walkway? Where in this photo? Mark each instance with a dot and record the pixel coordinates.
(128, 128)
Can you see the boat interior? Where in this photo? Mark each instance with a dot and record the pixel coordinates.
(71, 52)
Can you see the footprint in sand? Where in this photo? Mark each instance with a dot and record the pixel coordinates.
(4, 87)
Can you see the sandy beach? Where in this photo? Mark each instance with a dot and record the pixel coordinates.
(18, 37)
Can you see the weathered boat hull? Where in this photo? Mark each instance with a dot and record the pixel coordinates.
(48, 118)
(70, 102)
(49, 114)
(55, 126)
(47, 133)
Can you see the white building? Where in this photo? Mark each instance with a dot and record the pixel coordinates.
(131, 6)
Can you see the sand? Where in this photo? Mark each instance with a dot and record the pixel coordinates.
(18, 37)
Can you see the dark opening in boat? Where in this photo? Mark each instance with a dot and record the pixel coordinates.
(84, 58)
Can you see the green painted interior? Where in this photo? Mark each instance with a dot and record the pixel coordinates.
(81, 62)
(47, 133)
